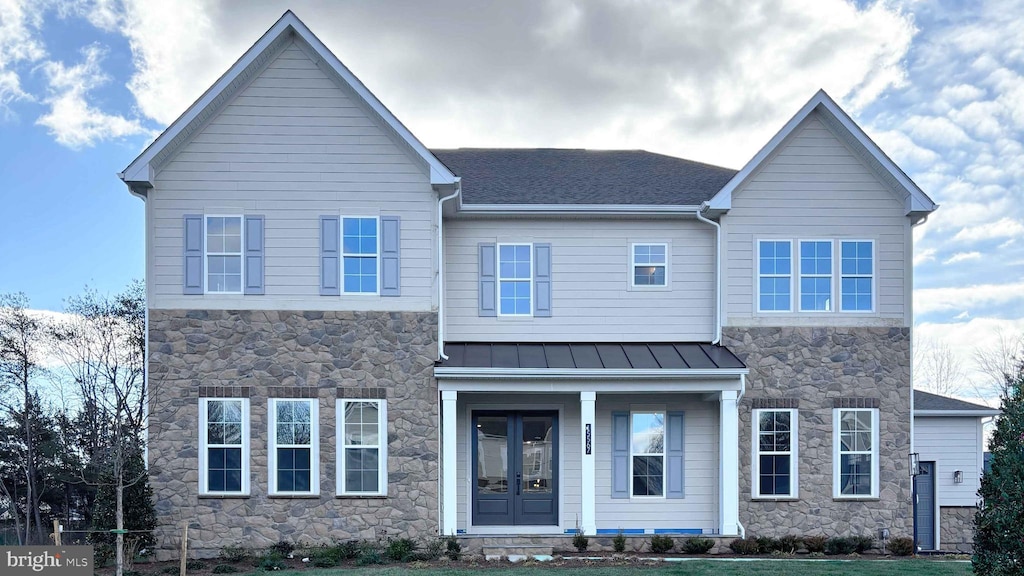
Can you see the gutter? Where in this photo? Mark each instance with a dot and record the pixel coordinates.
(718, 270)
(585, 373)
(440, 268)
(577, 209)
(958, 413)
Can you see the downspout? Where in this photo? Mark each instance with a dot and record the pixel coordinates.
(440, 269)
(743, 390)
(718, 271)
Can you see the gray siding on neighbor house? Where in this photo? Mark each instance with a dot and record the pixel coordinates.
(699, 506)
(590, 281)
(953, 444)
(293, 145)
(815, 187)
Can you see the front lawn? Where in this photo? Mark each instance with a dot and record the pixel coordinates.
(751, 567)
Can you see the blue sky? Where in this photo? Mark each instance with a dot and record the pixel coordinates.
(86, 84)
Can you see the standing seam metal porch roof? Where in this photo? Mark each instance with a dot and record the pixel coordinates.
(590, 355)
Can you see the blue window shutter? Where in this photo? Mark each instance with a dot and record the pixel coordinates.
(488, 280)
(674, 475)
(254, 255)
(620, 454)
(390, 256)
(193, 256)
(330, 255)
(542, 280)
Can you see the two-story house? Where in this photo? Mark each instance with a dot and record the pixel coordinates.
(349, 333)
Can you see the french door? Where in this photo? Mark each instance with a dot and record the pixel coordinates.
(515, 468)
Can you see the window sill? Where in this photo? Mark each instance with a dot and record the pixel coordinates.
(856, 499)
(773, 499)
(223, 496)
(294, 496)
(361, 497)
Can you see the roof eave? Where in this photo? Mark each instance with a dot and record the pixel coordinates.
(958, 413)
(440, 372)
(140, 171)
(582, 209)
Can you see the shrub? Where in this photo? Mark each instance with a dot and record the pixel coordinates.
(580, 540)
(863, 543)
(815, 544)
(840, 546)
(349, 550)
(171, 570)
(696, 545)
(766, 544)
(619, 542)
(283, 548)
(901, 546)
(661, 544)
(452, 548)
(368, 556)
(234, 553)
(431, 550)
(400, 549)
(326, 556)
(788, 544)
(271, 560)
(194, 564)
(744, 546)
(224, 569)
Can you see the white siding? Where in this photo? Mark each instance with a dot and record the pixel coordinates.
(293, 145)
(953, 444)
(570, 462)
(699, 507)
(591, 297)
(814, 187)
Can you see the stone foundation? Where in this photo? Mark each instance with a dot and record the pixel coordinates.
(814, 370)
(326, 354)
(956, 528)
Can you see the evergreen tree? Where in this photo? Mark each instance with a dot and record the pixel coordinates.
(999, 524)
(139, 514)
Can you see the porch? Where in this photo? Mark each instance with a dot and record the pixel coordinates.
(541, 450)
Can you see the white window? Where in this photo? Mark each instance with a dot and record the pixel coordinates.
(224, 254)
(294, 453)
(857, 275)
(815, 275)
(649, 265)
(856, 452)
(360, 245)
(775, 453)
(515, 279)
(774, 275)
(647, 454)
(362, 447)
(224, 446)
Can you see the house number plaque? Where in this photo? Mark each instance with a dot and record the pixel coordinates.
(588, 439)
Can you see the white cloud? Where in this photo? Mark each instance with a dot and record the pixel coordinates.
(19, 43)
(71, 120)
(1003, 228)
(925, 255)
(962, 257)
(951, 298)
(965, 338)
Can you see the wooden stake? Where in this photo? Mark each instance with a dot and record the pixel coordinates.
(184, 547)
(56, 533)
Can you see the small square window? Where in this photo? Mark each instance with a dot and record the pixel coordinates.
(649, 265)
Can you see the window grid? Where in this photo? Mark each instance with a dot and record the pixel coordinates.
(515, 279)
(363, 458)
(649, 265)
(775, 269)
(815, 275)
(775, 453)
(857, 275)
(224, 465)
(647, 454)
(856, 448)
(223, 246)
(294, 446)
(360, 241)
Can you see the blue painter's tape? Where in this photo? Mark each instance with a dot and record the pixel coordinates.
(463, 531)
(602, 531)
(678, 531)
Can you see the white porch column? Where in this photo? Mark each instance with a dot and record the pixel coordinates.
(588, 515)
(449, 436)
(729, 473)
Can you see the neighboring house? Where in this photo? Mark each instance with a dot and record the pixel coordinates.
(949, 438)
(350, 334)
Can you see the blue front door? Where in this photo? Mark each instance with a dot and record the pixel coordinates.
(515, 468)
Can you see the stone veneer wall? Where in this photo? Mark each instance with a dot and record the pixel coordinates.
(956, 528)
(814, 369)
(283, 353)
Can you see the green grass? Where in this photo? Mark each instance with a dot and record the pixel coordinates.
(760, 567)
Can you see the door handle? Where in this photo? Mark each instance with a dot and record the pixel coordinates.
(519, 483)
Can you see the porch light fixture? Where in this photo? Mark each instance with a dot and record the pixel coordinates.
(958, 476)
(915, 464)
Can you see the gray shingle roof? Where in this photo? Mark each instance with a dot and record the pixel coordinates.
(589, 355)
(928, 401)
(573, 176)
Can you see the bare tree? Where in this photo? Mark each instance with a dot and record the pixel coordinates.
(21, 335)
(937, 369)
(998, 364)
